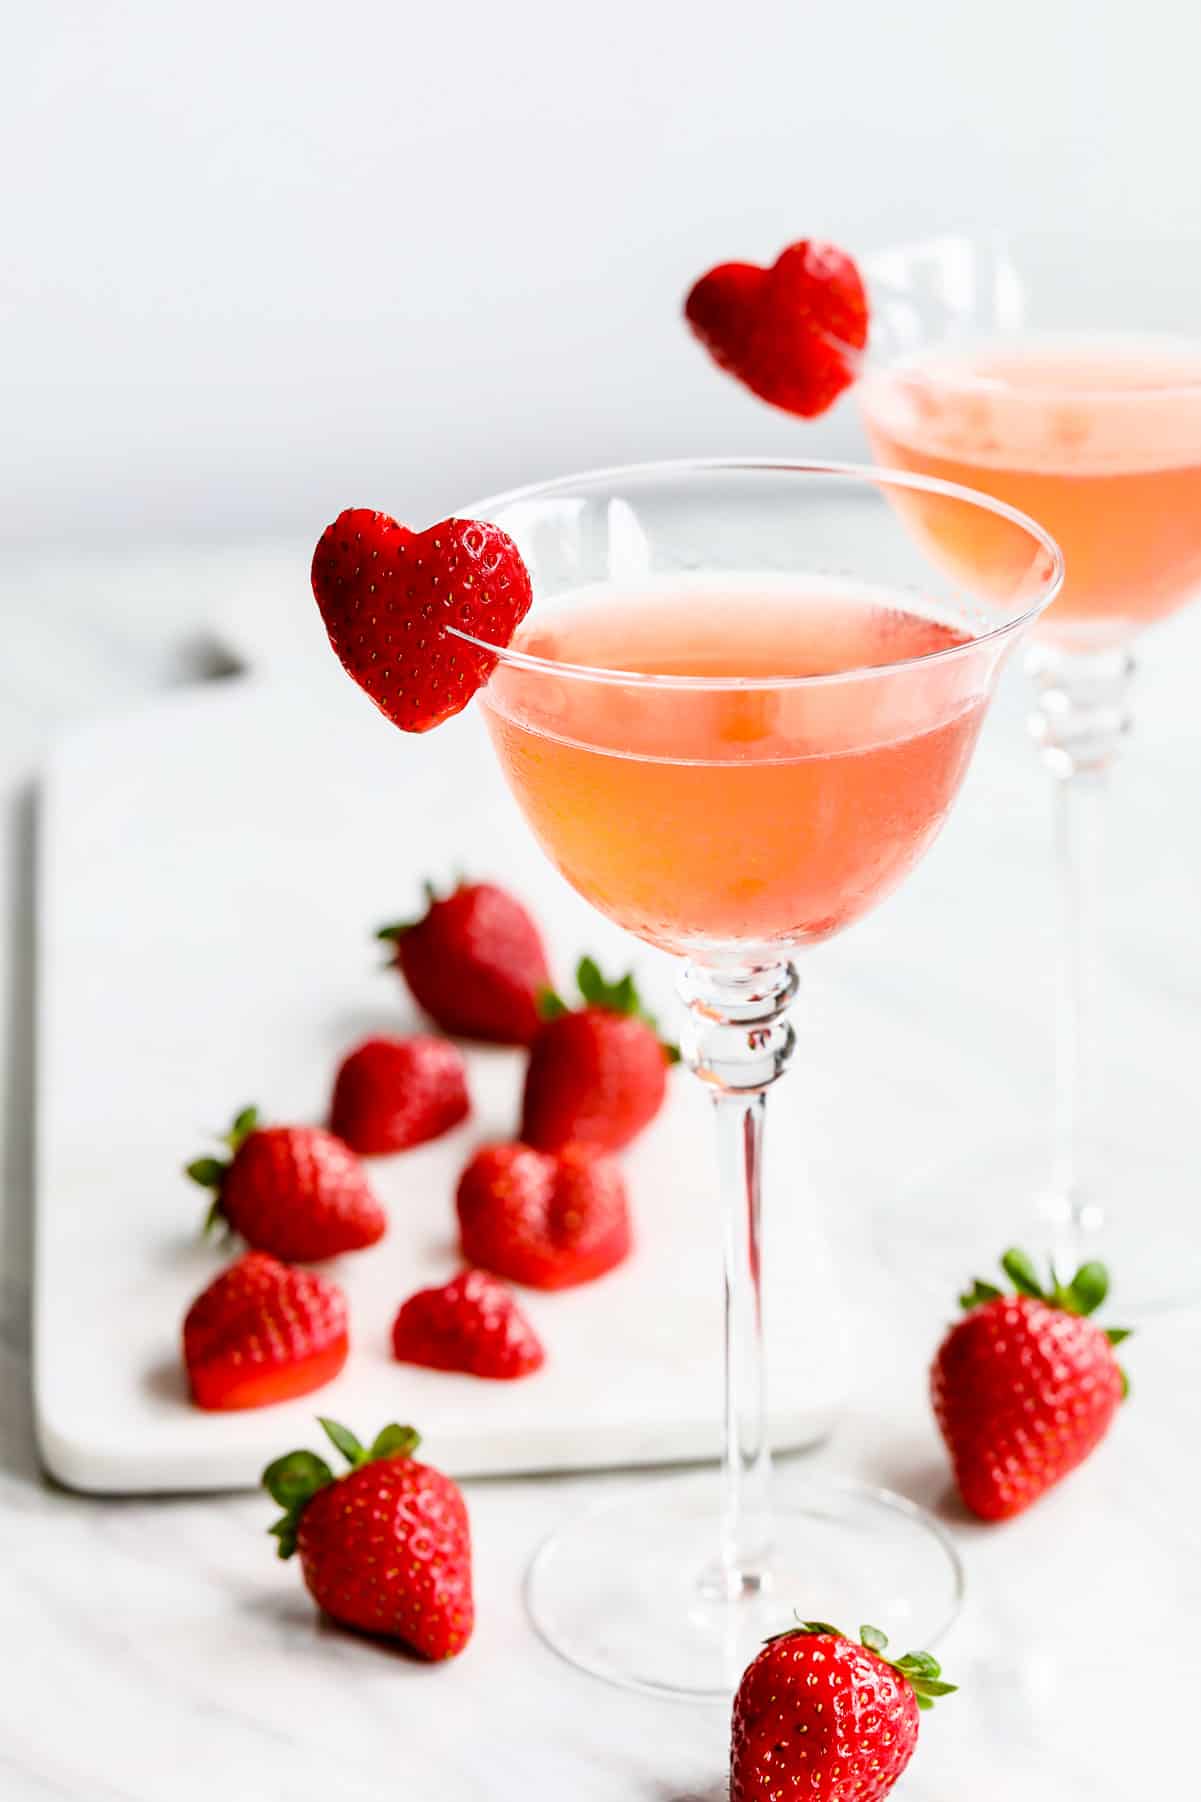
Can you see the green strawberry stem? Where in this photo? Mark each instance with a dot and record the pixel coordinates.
(921, 1670)
(295, 1479)
(389, 934)
(211, 1172)
(620, 997)
(1082, 1296)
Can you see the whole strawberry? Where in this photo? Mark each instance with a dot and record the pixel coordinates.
(470, 1324)
(385, 1549)
(1026, 1385)
(596, 1076)
(387, 596)
(390, 1094)
(475, 962)
(549, 1220)
(294, 1191)
(817, 1715)
(262, 1333)
(794, 333)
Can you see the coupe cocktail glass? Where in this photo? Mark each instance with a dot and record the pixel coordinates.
(737, 714)
(1013, 366)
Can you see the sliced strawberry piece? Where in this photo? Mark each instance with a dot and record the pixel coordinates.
(387, 595)
(263, 1333)
(470, 1324)
(548, 1220)
(390, 1094)
(794, 333)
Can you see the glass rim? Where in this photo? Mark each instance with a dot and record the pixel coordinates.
(924, 367)
(878, 266)
(856, 474)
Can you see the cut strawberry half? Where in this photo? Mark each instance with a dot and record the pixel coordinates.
(387, 596)
(263, 1332)
(549, 1220)
(471, 1324)
(793, 334)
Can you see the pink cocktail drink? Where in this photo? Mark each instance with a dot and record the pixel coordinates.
(1060, 375)
(760, 811)
(1098, 438)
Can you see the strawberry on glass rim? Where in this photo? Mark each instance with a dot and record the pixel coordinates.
(388, 595)
(794, 334)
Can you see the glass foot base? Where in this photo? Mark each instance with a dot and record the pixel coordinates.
(954, 1220)
(625, 1590)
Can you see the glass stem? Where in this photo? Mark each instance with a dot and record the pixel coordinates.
(1079, 724)
(1080, 804)
(738, 1042)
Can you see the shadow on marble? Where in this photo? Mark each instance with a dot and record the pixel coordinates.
(377, 1022)
(925, 1480)
(165, 1381)
(292, 1613)
(717, 1791)
(186, 1246)
(18, 1451)
(202, 658)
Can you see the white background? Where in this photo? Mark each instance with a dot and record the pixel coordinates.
(261, 259)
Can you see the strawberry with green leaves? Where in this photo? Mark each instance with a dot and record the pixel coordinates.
(1026, 1385)
(817, 1714)
(475, 962)
(597, 1074)
(385, 1548)
(297, 1192)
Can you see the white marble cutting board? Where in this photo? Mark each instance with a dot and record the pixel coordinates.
(210, 869)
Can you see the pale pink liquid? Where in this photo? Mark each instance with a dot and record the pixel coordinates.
(1098, 440)
(752, 814)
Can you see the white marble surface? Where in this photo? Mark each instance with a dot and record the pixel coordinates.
(155, 1649)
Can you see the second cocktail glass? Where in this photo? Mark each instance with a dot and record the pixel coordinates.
(737, 715)
(1062, 376)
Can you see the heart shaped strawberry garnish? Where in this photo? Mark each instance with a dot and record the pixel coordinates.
(546, 1219)
(792, 333)
(387, 596)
